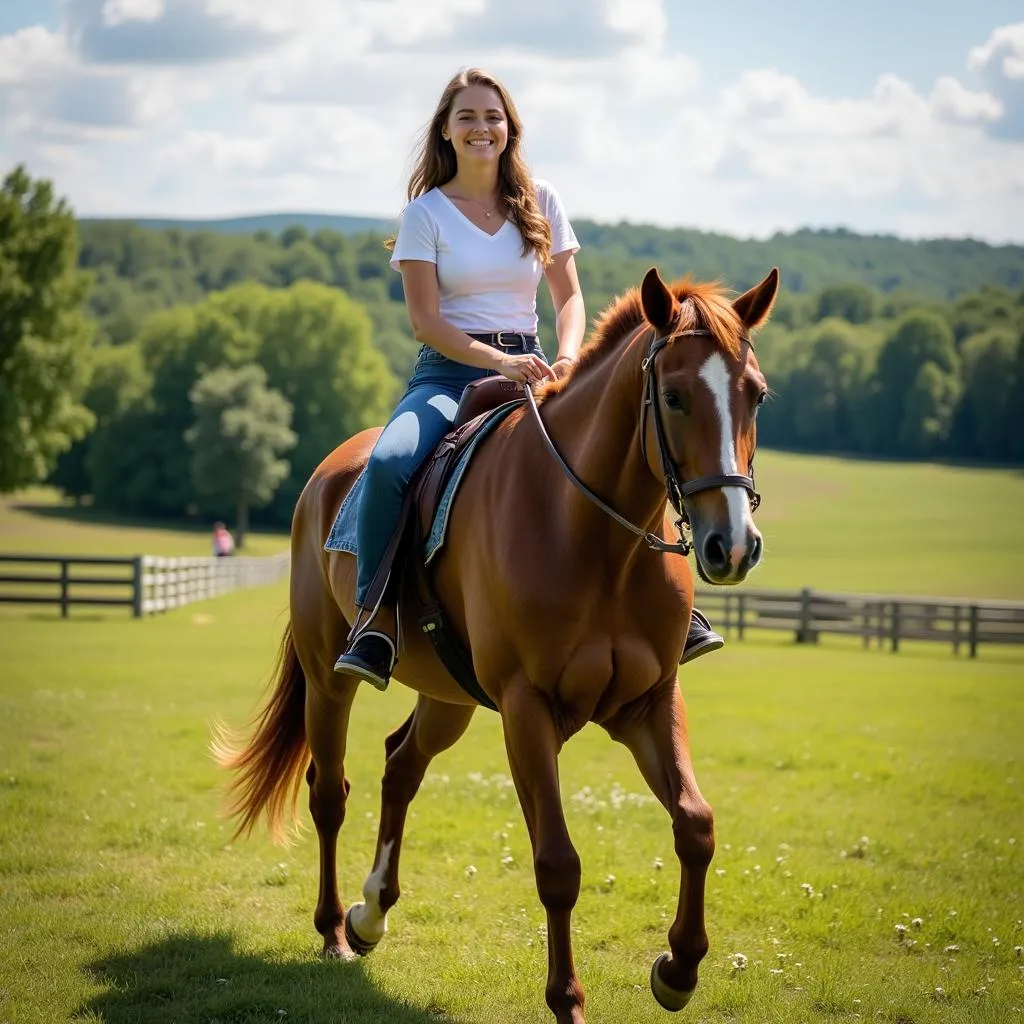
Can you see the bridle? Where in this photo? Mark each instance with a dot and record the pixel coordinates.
(676, 490)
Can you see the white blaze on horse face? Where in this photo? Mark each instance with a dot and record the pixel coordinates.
(715, 374)
(367, 919)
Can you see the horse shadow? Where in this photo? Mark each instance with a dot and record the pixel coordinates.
(204, 978)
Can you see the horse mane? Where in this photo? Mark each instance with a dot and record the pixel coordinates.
(704, 304)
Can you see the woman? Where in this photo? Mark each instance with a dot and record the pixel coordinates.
(475, 238)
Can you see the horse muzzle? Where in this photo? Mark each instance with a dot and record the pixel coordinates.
(726, 552)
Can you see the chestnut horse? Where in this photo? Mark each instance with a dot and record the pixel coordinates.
(570, 617)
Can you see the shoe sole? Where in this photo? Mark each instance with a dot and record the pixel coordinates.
(702, 648)
(361, 672)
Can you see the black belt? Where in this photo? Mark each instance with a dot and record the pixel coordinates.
(506, 339)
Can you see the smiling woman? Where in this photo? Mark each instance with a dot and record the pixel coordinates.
(475, 239)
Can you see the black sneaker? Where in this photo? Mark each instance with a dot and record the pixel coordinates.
(370, 657)
(701, 639)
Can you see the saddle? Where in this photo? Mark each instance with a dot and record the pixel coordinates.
(478, 399)
(403, 567)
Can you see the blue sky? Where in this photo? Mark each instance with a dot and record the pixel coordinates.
(744, 117)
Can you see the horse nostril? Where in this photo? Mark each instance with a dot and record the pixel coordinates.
(716, 555)
(755, 551)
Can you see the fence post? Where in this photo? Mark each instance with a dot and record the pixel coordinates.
(956, 629)
(803, 633)
(895, 634)
(742, 600)
(64, 571)
(137, 596)
(973, 631)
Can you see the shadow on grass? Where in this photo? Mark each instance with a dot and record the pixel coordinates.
(203, 978)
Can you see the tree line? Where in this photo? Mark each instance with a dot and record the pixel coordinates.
(170, 372)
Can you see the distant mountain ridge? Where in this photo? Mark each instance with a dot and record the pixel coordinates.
(941, 268)
(275, 223)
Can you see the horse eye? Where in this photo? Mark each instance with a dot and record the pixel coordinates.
(672, 399)
(761, 397)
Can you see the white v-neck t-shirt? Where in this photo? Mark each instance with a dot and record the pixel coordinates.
(485, 282)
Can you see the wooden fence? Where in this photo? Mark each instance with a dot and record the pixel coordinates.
(149, 583)
(144, 583)
(881, 619)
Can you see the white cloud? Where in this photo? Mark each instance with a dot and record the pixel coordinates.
(316, 104)
(30, 54)
(999, 64)
(116, 12)
(952, 101)
(1002, 53)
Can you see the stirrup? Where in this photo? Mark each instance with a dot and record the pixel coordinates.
(366, 666)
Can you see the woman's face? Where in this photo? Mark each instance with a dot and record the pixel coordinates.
(476, 125)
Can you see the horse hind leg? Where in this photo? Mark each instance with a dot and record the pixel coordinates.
(433, 727)
(328, 707)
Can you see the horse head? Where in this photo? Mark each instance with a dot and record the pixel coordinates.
(703, 388)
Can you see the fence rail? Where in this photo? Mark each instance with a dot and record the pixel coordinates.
(150, 583)
(880, 619)
(145, 583)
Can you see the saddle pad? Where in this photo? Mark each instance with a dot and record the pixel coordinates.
(343, 531)
(439, 527)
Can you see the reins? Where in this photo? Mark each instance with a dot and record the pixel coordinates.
(676, 490)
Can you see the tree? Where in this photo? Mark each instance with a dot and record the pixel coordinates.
(929, 405)
(854, 303)
(44, 336)
(302, 260)
(828, 383)
(317, 347)
(919, 338)
(241, 428)
(990, 385)
(984, 309)
(119, 382)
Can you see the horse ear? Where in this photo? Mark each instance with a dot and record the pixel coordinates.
(755, 306)
(658, 302)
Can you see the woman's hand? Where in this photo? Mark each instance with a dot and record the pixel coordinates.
(525, 369)
(561, 366)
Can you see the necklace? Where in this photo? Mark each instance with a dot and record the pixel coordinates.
(483, 209)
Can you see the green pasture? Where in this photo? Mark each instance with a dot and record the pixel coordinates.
(38, 522)
(828, 523)
(890, 527)
(869, 807)
(869, 865)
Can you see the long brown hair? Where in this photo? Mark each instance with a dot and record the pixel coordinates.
(436, 165)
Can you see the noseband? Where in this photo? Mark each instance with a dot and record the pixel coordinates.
(677, 490)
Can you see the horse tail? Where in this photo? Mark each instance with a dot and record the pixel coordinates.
(268, 769)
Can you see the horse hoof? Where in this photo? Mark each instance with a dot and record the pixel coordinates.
(359, 945)
(668, 998)
(339, 951)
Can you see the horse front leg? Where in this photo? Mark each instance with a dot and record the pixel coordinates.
(654, 730)
(432, 728)
(533, 743)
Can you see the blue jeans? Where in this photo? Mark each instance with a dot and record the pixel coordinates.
(424, 415)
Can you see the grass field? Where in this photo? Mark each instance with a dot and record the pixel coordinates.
(854, 792)
(38, 522)
(828, 523)
(890, 527)
(869, 809)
